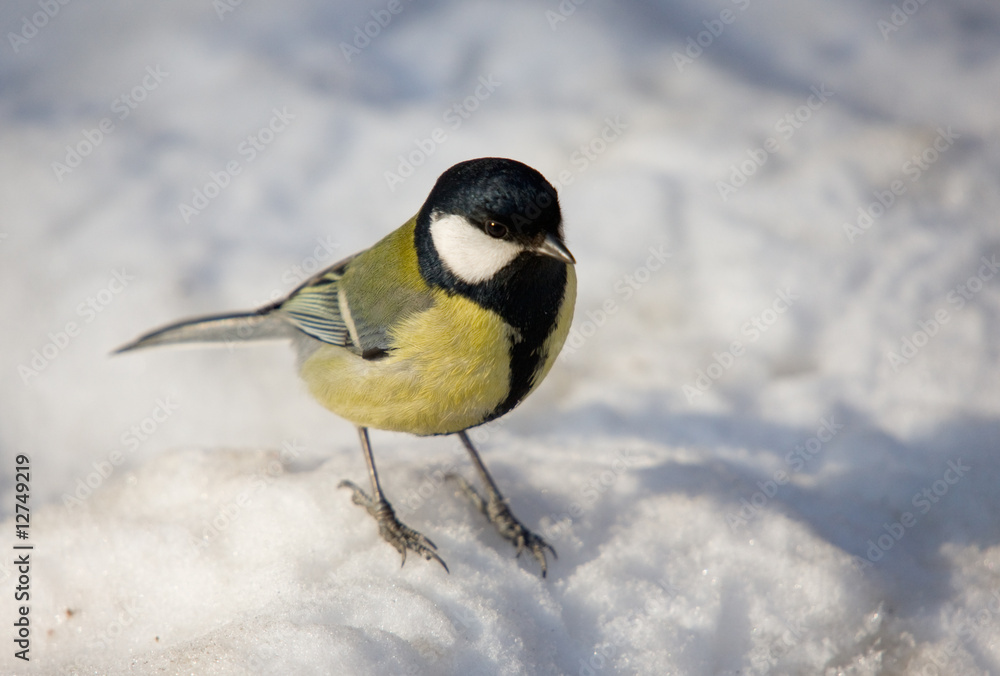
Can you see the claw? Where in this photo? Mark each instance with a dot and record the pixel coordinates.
(499, 514)
(396, 533)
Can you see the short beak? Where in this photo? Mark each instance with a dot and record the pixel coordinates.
(553, 247)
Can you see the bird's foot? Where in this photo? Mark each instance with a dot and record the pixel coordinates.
(497, 511)
(396, 533)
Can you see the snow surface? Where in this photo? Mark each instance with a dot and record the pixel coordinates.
(219, 544)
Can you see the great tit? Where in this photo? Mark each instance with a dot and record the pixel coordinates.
(446, 323)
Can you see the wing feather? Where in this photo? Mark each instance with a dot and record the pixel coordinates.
(314, 307)
(356, 303)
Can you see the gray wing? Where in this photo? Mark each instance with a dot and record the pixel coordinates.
(314, 307)
(356, 307)
(229, 329)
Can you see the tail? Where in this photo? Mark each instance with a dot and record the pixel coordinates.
(229, 329)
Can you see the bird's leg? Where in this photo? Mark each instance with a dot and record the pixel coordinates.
(397, 534)
(494, 506)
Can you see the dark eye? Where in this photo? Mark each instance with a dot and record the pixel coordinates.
(497, 230)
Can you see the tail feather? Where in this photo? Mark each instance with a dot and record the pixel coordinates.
(229, 329)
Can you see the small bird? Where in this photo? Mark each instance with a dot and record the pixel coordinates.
(445, 324)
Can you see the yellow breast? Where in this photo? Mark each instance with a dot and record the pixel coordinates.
(451, 370)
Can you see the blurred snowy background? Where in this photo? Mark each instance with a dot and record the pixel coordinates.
(771, 446)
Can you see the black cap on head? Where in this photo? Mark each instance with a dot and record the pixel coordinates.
(497, 189)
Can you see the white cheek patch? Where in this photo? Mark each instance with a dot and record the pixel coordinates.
(468, 252)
